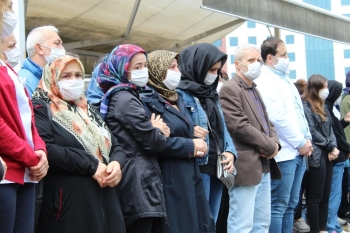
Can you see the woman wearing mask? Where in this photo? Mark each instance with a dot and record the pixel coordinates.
(200, 68)
(319, 176)
(85, 160)
(21, 148)
(335, 90)
(122, 75)
(10, 52)
(180, 171)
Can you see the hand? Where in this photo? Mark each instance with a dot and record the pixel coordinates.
(100, 174)
(200, 147)
(166, 130)
(114, 174)
(331, 157)
(335, 153)
(39, 171)
(307, 149)
(228, 161)
(4, 166)
(276, 151)
(157, 121)
(200, 132)
(347, 117)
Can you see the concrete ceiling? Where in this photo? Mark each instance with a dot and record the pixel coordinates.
(97, 26)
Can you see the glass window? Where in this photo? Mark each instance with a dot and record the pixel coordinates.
(252, 40)
(347, 69)
(345, 2)
(293, 74)
(291, 56)
(233, 41)
(218, 43)
(346, 53)
(289, 39)
(232, 57)
(251, 24)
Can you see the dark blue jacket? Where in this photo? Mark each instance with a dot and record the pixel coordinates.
(186, 204)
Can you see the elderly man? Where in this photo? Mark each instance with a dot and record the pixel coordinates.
(256, 143)
(287, 115)
(43, 45)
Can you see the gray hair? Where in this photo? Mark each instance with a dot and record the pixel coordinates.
(239, 51)
(36, 36)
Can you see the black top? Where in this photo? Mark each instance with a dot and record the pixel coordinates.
(323, 138)
(335, 90)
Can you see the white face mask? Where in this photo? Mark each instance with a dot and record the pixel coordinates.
(282, 65)
(9, 22)
(13, 56)
(210, 78)
(253, 72)
(55, 52)
(172, 79)
(324, 93)
(71, 89)
(337, 102)
(139, 77)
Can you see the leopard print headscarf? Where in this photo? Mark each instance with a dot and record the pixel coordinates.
(158, 65)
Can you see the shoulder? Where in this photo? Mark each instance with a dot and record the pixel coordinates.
(124, 99)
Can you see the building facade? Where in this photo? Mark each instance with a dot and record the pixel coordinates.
(308, 55)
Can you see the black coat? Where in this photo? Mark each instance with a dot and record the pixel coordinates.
(2, 171)
(73, 200)
(335, 90)
(323, 139)
(141, 192)
(187, 206)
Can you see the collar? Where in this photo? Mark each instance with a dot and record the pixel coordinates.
(277, 72)
(244, 84)
(34, 68)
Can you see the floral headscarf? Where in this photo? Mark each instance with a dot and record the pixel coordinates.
(158, 65)
(112, 76)
(76, 117)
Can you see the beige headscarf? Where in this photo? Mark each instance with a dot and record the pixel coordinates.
(76, 117)
(158, 65)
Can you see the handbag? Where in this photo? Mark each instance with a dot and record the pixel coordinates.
(227, 178)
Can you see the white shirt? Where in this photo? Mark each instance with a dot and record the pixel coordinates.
(279, 99)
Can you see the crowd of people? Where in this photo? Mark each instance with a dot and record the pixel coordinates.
(137, 151)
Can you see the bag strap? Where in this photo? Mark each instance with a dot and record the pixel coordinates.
(216, 143)
(209, 126)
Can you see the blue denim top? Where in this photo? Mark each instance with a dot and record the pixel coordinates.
(199, 118)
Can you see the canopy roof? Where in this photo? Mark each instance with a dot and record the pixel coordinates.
(90, 26)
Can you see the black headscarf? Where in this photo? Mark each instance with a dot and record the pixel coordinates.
(335, 90)
(195, 63)
(347, 84)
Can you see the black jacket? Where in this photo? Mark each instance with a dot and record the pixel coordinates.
(335, 90)
(72, 198)
(1, 171)
(141, 192)
(323, 138)
(180, 171)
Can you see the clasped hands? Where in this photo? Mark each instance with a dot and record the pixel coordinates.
(108, 175)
